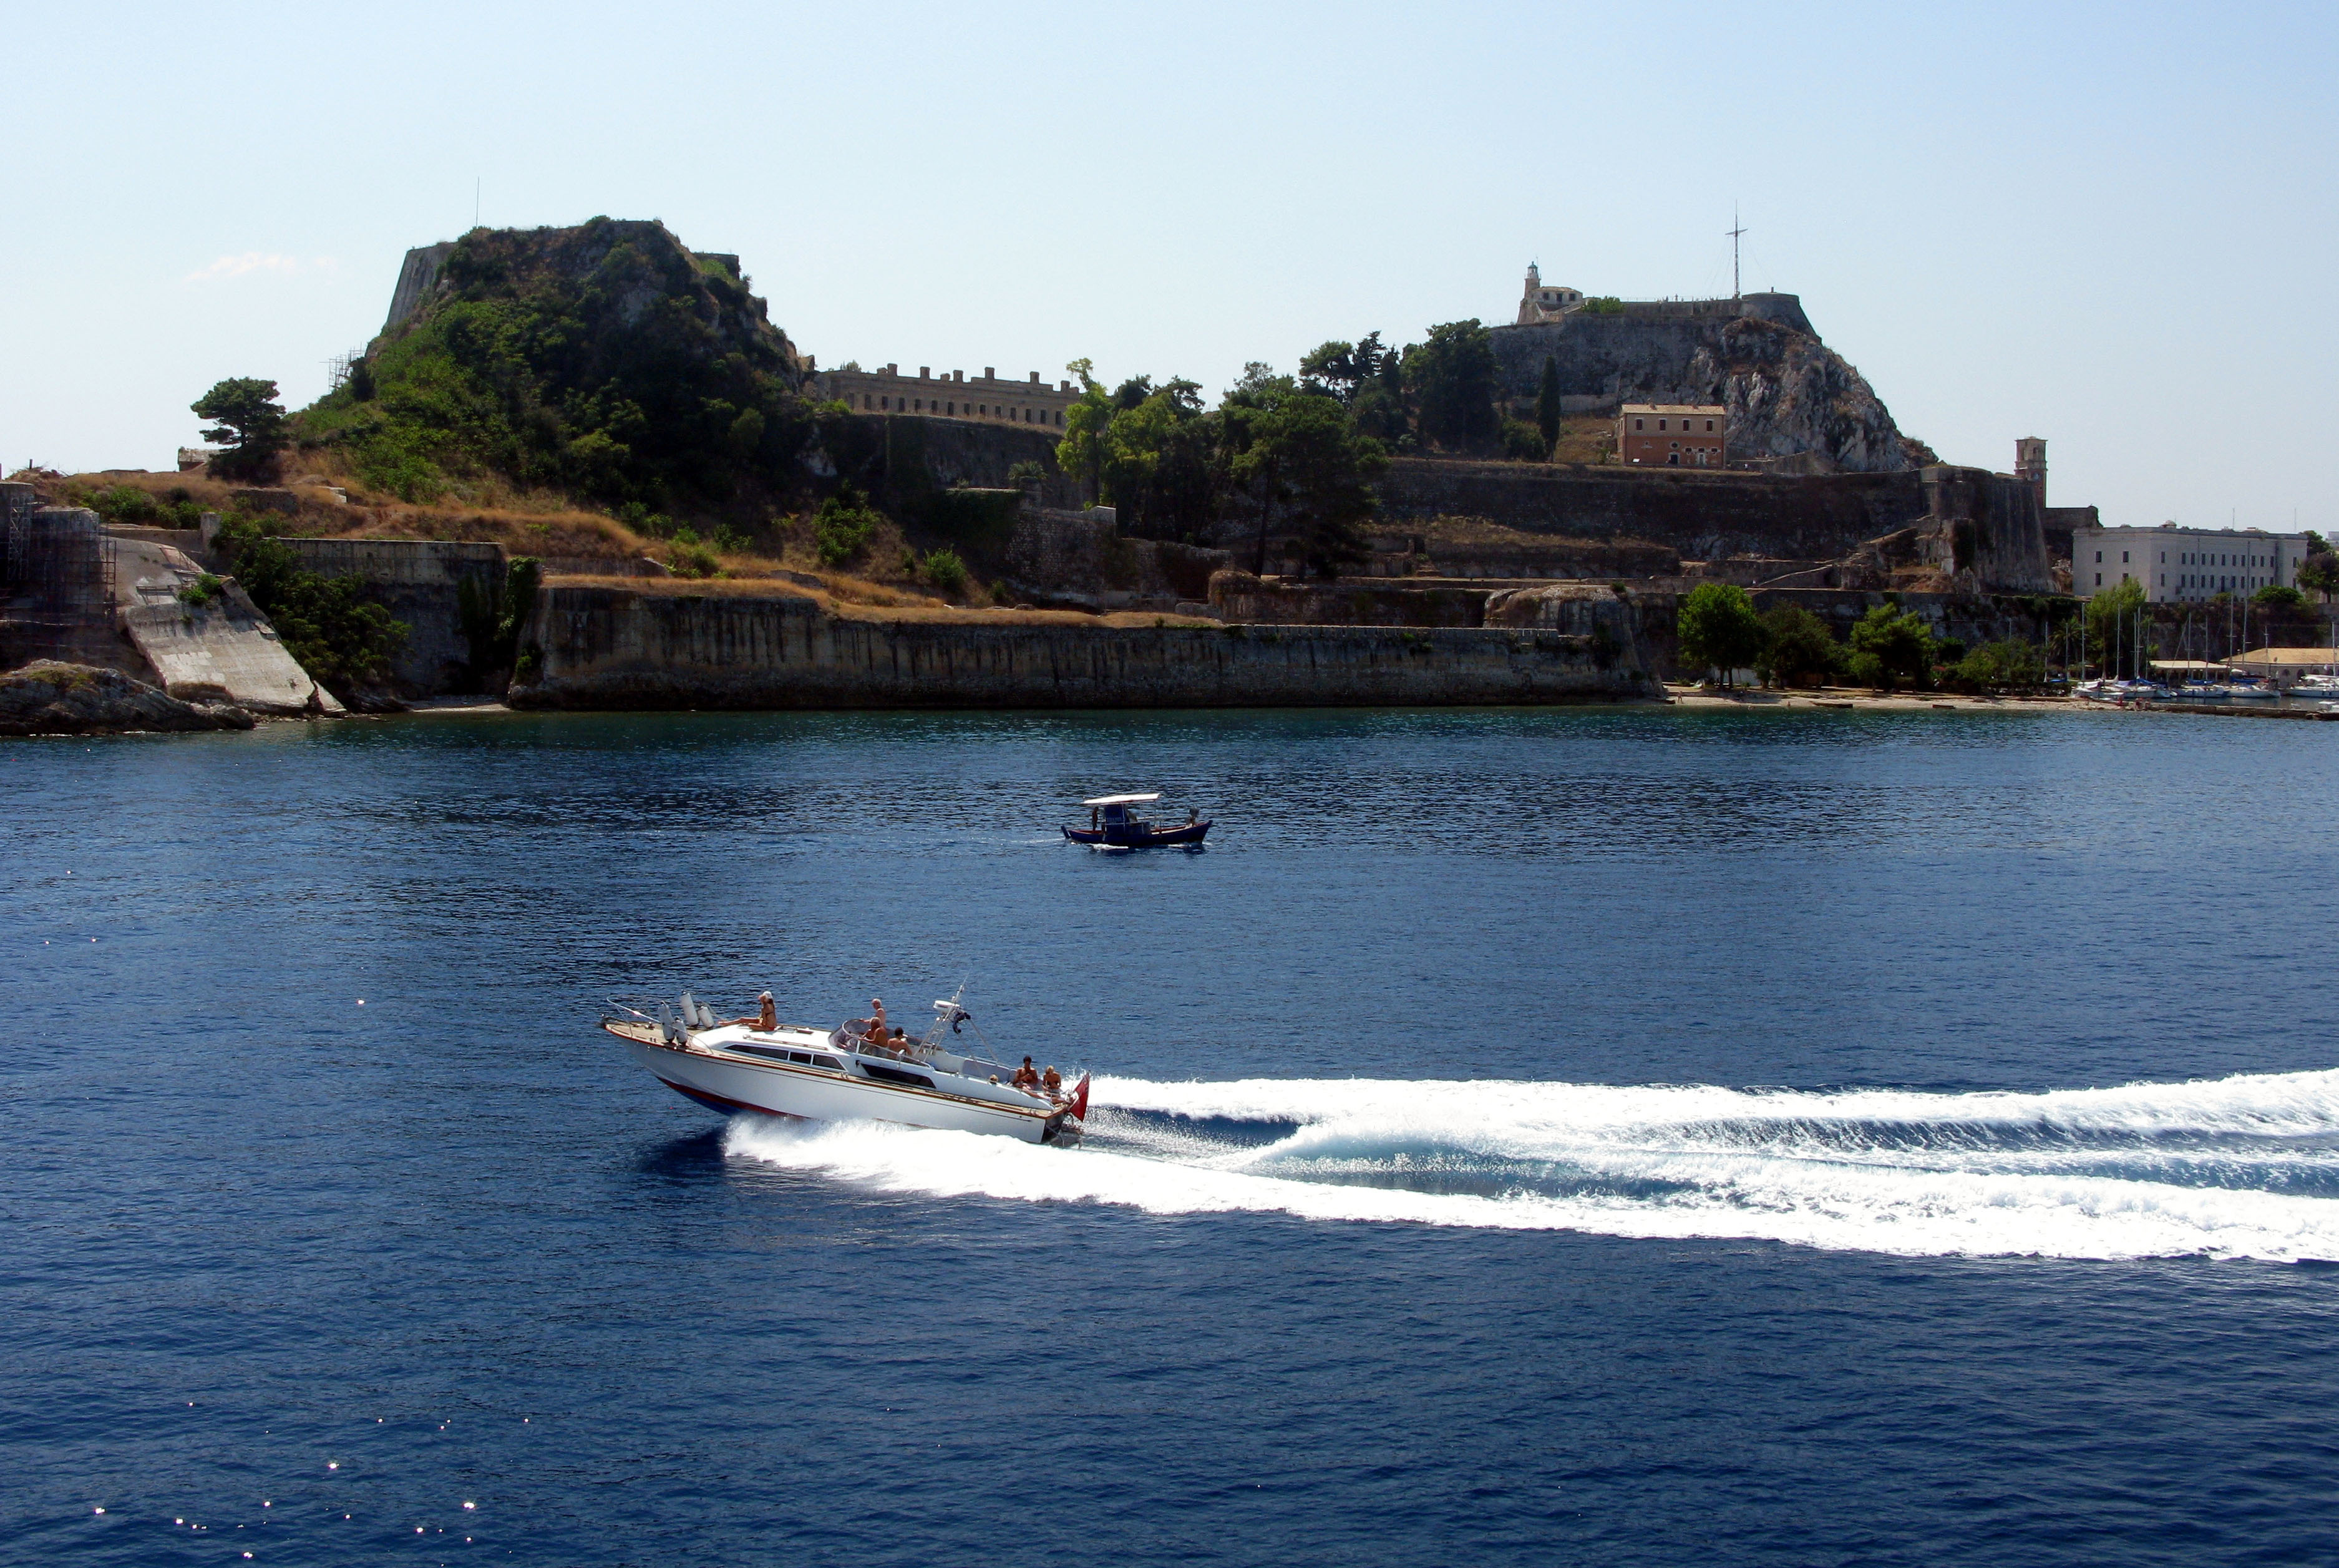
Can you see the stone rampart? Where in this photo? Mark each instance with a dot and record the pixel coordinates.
(423, 583)
(607, 647)
(1698, 516)
(903, 457)
(416, 276)
(1989, 523)
(1080, 556)
(1238, 595)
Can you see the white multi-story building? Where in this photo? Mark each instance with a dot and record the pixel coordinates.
(2185, 565)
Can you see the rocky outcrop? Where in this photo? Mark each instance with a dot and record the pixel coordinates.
(608, 647)
(1789, 394)
(49, 698)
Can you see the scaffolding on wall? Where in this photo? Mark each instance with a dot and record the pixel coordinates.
(56, 583)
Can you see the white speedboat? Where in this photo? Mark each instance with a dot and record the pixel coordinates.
(838, 1075)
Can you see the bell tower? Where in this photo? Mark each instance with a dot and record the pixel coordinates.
(2031, 466)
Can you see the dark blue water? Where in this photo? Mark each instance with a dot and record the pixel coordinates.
(1522, 1138)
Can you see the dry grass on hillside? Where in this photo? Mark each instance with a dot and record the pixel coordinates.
(838, 596)
(547, 526)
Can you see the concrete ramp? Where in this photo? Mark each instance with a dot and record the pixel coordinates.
(224, 651)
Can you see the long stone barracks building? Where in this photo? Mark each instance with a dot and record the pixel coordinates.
(2185, 565)
(950, 395)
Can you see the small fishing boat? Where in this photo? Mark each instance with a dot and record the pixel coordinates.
(844, 1074)
(1111, 825)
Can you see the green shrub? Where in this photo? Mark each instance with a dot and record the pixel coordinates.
(1604, 305)
(946, 571)
(842, 527)
(689, 558)
(202, 591)
(2279, 595)
(1523, 442)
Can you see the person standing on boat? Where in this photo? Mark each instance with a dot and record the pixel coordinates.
(872, 1027)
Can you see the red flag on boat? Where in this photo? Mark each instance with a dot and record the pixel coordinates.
(1080, 1106)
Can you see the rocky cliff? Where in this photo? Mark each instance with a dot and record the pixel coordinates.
(1788, 393)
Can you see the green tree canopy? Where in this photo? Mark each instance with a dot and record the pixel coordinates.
(1798, 650)
(1889, 645)
(249, 421)
(1719, 629)
(1082, 452)
(2319, 572)
(2007, 665)
(1295, 450)
(1452, 378)
(1160, 462)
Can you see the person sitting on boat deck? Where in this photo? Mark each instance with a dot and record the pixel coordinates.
(872, 1027)
(1026, 1078)
(1053, 1082)
(766, 1016)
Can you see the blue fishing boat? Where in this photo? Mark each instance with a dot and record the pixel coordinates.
(1112, 826)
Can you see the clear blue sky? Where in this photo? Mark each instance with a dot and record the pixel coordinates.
(2110, 226)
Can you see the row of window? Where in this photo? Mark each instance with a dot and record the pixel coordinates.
(2188, 558)
(2197, 581)
(887, 403)
(1640, 424)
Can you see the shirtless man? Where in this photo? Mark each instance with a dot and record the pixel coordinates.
(871, 1030)
(1053, 1082)
(1027, 1080)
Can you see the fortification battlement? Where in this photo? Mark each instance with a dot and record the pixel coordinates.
(1543, 304)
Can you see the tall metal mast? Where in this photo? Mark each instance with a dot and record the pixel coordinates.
(1736, 229)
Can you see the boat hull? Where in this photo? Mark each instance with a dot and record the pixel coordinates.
(729, 1086)
(1150, 838)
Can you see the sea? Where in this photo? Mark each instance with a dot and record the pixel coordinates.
(1520, 1137)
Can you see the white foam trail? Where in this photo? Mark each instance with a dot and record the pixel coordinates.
(1662, 1162)
(2276, 1104)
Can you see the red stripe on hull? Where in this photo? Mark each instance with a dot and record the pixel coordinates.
(726, 1106)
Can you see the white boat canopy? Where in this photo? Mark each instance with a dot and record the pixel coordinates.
(1122, 799)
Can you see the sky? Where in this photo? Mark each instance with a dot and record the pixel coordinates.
(2106, 225)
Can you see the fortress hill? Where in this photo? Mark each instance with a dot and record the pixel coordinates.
(1794, 405)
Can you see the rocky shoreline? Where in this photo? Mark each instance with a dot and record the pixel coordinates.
(47, 697)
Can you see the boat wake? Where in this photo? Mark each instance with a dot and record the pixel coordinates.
(2244, 1167)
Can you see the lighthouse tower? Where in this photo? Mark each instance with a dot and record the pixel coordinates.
(1537, 303)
